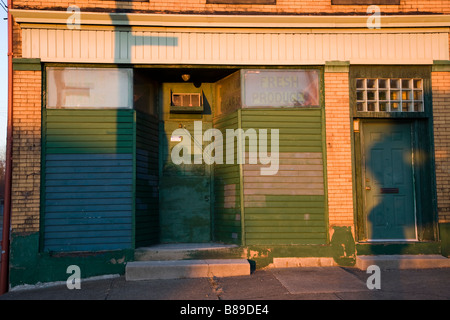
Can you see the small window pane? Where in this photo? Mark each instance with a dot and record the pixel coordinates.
(360, 106)
(417, 84)
(382, 95)
(406, 84)
(407, 106)
(395, 95)
(360, 95)
(395, 84)
(418, 106)
(360, 83)
(395, 106)
(382, 83)
(370, 95)
(383, 106)
(406, 95)
(371, 84)
(417, 95)
(371, 107)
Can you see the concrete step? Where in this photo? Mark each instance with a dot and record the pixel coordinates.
(181, 269)
(386, 262)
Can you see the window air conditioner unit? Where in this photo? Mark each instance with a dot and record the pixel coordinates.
(186, 103)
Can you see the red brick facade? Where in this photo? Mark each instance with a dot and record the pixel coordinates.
(200, 6)
(441, 123)
(339, 153)
(28, 93)
(26, 165)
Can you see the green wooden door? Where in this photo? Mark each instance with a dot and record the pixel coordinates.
(388, 181)
(184, 190)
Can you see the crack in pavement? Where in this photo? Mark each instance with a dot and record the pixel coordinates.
(215, 286)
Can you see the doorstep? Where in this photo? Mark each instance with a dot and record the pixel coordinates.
(386, 262)
(182, 269)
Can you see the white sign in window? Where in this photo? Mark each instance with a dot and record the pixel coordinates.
(89, 88)
(389, 95)
(281, 88)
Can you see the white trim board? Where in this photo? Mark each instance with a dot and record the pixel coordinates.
(226, 47)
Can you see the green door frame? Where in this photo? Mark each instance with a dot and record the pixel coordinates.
(423, 145)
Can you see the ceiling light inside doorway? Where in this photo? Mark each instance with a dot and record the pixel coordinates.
(185, 77)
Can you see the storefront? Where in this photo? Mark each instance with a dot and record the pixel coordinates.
(140, 127)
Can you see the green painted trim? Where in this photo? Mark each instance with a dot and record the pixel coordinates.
(29, 266)
(241, 188)
(358, 213)
(324, 153)
(444, 235)
(43, 162)
(341, 249)
(441, 66)
(398, 248)
(394, 71)
(337, 66)
(24, 64)
(134, 180)
(423, 121)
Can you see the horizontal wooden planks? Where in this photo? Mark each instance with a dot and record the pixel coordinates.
(89, 131)
(88, 202)
(147, 176)
(88, 179)
(235, 47)
(287, 207)
(227, 200)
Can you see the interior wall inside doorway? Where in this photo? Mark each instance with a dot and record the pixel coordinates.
(185, 189)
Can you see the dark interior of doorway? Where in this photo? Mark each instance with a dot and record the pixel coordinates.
(197, 74)
(149, 88)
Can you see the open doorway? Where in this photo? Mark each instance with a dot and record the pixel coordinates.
(178, 101)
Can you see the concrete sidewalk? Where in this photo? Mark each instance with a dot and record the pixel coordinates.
(315, 283)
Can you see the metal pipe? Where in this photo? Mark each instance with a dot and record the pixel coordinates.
(4, 272)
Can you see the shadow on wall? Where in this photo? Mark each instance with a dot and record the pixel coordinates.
(343, 246)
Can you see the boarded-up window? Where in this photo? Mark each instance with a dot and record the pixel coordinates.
(89, 88)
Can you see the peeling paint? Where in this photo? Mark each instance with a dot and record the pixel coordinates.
(343, 246)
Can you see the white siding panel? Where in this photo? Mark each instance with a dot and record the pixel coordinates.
(227, 47)
(84, 41)
(444, 43)
(26, 34)
(35, 44)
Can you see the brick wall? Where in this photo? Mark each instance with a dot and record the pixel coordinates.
(26, 155)
(441, 113)
(339, 153)
(282, 6)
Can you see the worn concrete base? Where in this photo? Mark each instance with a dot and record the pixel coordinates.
(182, 269)
(318, 280)
(386, 262)
(303, 262)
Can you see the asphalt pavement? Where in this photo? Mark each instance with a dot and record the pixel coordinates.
(316, 283)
